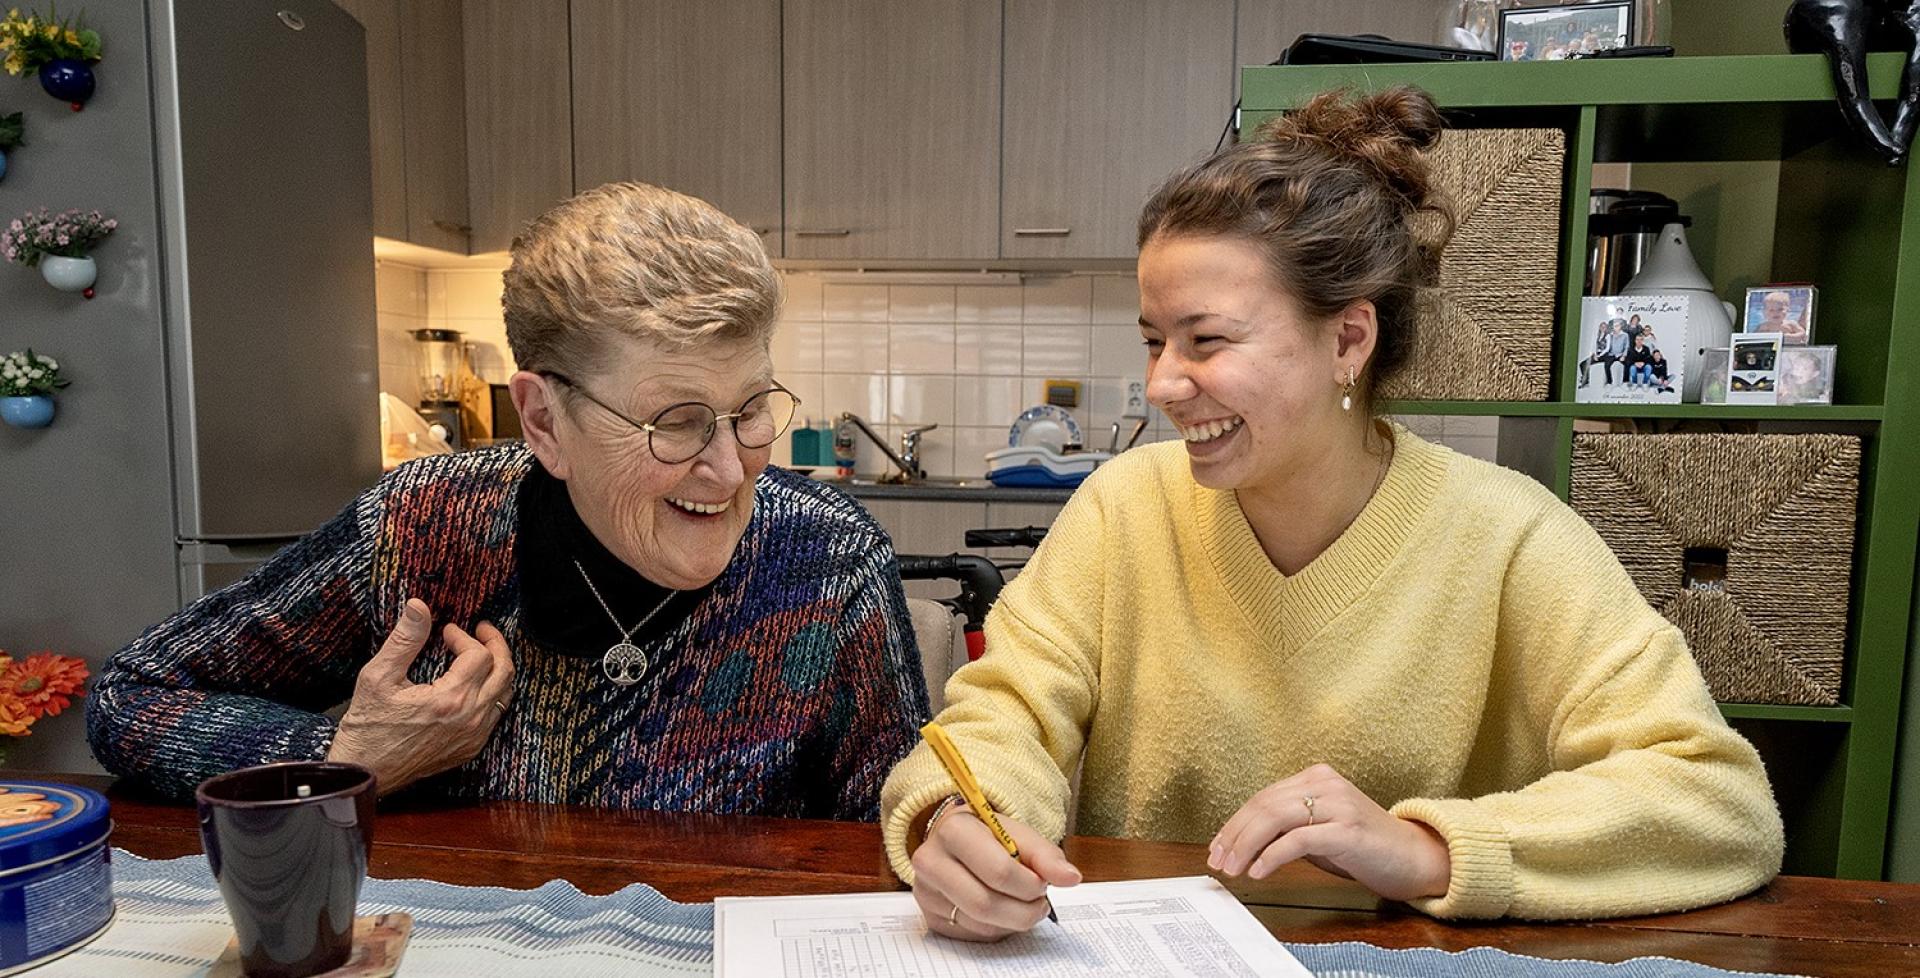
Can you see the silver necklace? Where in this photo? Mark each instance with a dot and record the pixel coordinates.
(623, 662)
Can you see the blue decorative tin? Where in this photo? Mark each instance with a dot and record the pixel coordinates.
(56, 889)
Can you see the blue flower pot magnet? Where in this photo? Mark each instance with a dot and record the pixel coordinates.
(69, 80)
(3, 164)
(32, 411)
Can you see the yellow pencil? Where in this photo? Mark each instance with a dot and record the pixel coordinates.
(956, 765)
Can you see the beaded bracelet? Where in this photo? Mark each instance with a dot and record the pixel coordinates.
(945, 805)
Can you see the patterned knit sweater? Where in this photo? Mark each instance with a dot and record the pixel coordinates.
(788, 689)
(1468, 653)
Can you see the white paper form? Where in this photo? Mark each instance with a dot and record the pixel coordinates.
(1184, 927)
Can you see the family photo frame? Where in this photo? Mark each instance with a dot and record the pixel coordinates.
(1632, 349)
(1558, 32)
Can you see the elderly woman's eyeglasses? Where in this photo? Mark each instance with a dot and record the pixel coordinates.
(680, 432)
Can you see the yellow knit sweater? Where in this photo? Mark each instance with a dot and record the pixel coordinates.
(1468, 653)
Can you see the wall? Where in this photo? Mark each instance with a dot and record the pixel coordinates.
(1707, 27)
(969, 358)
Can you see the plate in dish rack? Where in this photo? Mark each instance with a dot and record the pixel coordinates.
(1044, 424)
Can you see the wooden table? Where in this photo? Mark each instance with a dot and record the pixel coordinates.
(1797, 925)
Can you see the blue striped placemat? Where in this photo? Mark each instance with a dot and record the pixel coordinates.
(171, 924)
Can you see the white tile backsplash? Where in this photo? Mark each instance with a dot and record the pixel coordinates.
(1118, 351)
(843, 302)
(471, 294)
(921, 348)
(988, 348)
(913, 402)
(988, 304)
(798, 347)
(863, 394)
(920, 303)
(854, 347)
(1057, 351)
(990, 400)
(399, 289)
(813, 403)
(803, 299)
(1116, 300)
(1058, 299)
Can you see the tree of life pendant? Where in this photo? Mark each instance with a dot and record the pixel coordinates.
(624, 664)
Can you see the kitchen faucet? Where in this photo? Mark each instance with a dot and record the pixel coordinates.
(907, 460)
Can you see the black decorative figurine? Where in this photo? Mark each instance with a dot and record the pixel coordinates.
(1844, 30)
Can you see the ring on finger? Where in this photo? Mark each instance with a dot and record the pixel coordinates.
(953, 916)
(1309, 801)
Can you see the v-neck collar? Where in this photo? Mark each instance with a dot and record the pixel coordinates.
(1289, 610)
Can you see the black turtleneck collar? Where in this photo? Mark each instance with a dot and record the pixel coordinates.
(557, 608)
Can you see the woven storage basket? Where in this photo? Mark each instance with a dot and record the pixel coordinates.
(1781, 506)
(1485, 333)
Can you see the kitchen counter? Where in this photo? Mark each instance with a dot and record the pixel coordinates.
(947, 490)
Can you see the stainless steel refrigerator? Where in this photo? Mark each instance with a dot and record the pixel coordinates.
(224, 395)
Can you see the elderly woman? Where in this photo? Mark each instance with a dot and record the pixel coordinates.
(631, 610)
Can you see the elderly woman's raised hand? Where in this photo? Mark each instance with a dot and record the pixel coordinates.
(404, 731)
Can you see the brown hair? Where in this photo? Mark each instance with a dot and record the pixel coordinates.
(634, 260)
(1337, 194)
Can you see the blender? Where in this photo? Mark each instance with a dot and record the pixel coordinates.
(443, 362)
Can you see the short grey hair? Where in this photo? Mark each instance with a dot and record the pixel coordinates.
(634, 260)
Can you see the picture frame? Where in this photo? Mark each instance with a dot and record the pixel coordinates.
(1787, 309)
(1557, 32)
(1753, 369)
(1714, 363)
(1625, 346)
(1806, 374)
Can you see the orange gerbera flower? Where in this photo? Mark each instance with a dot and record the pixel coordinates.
(14, 718)
(44, 682)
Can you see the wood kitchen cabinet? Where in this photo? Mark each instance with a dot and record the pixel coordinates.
(519, 115)
(892, 129)
(381, 20)
(1104, 98)
(685, 95)
(1266, 27)
(433, 83)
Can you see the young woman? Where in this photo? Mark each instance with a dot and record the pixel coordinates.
(1306, 633)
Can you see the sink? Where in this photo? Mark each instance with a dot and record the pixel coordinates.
(932, 482)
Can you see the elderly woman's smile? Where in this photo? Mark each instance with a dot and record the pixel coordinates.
(675, 519)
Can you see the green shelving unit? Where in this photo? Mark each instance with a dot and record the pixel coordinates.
(1834, 216)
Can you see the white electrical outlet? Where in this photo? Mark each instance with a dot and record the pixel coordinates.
(1137, 398)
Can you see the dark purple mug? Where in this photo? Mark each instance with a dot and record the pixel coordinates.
(288, 844)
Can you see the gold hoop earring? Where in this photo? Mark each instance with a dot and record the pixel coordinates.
(1346, 392)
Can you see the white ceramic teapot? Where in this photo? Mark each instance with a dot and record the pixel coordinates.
(1671, 270)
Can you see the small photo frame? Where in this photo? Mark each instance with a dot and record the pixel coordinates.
(1806, 374)
(1753, 370)
(1713, 374)
(1784, 309)
(1563, 31)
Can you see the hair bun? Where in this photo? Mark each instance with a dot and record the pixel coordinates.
(1387, 131)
